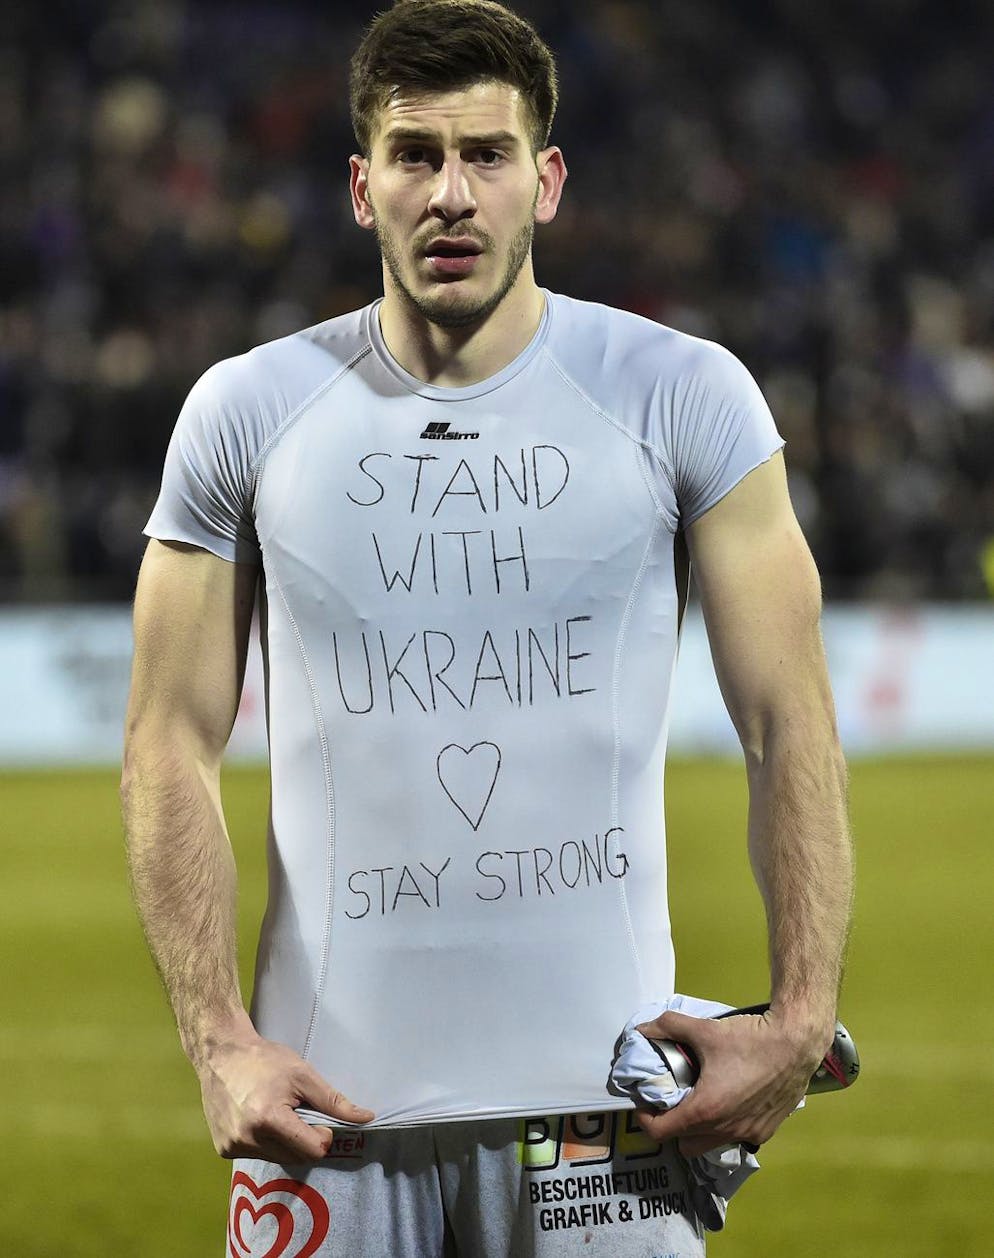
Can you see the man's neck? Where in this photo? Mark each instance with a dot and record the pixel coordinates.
(456, 357)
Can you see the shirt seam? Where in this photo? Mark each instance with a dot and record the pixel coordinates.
(645, 445)
(256, 467)
(329, 783)
(616, 729)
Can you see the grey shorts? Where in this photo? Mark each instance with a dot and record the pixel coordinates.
(590, 1184)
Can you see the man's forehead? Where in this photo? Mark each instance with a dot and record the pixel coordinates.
(479, 110)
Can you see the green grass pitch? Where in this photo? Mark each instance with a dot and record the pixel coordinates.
(104, 1150)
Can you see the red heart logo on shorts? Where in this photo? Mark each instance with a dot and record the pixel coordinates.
(287, 1222)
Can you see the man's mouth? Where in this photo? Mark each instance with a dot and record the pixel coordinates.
(458, 248)
(452, 258)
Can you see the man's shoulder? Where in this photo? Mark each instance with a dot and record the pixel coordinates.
(275, 378)
(595, 342)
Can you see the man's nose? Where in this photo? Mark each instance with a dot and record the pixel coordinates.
(451, 197)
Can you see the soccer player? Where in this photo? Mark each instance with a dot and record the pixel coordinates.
(464, 513)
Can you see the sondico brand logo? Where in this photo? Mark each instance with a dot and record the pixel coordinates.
(442, 432)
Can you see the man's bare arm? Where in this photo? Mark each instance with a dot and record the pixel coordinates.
(192, 617)
(761, 599)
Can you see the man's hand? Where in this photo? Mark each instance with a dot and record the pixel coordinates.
(250, 1088)
(754, 1070)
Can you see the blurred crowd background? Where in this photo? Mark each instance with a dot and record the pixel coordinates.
(809, 182)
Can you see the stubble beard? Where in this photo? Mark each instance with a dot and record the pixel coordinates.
(442, 310)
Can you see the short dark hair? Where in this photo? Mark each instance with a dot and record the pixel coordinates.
(446, 45)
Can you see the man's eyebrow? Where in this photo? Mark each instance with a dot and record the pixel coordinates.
(417, 135)
(493, 139)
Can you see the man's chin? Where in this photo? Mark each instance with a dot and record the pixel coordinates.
(451, 308)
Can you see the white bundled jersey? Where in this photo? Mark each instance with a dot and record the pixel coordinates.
(469, 622)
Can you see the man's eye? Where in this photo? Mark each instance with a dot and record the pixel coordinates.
(491, 157)
(412, 157)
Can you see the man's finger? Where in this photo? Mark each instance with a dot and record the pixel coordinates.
(296, 1141)
(676, 1026)
(320, 1095)
(670, 1124)
(696, 1146)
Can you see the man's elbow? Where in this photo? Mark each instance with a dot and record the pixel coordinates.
(805, 733)
(163, 760)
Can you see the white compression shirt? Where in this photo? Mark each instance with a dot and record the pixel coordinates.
(469, 622)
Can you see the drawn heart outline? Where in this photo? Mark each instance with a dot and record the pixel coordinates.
(279, 1210)
(457, 784)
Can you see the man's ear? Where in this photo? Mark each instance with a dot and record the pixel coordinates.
(362, 208)
(552, 174)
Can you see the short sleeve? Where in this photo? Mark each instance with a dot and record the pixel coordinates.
(719, 429)
(207, 480)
